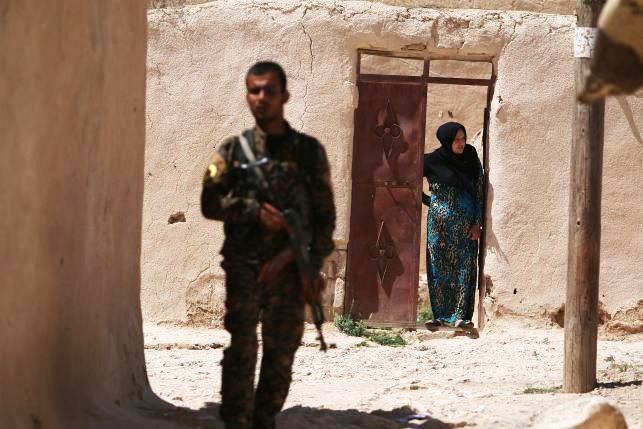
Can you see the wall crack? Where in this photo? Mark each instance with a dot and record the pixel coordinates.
(310, 73)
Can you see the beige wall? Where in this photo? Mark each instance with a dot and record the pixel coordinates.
(542, 6)
(72, 100)
(197, 59)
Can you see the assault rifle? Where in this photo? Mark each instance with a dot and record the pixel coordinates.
(298, 240)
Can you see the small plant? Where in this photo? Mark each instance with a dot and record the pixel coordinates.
(538, 390)
(357, 328)
(386, 339)
(621, 366)
(346, 324)
(425, 314)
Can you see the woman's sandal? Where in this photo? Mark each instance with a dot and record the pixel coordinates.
(463, 324)
(432, 324)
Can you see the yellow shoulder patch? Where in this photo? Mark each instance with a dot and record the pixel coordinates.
(216, 168)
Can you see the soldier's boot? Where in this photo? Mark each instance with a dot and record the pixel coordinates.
(265, 422)
(237, 424)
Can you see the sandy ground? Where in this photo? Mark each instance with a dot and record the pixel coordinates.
(454, 381)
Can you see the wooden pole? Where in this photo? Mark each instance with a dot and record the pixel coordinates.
(583, 259)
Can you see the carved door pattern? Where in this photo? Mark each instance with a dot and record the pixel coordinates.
(383, 265)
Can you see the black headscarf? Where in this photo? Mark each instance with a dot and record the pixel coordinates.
(445, 167)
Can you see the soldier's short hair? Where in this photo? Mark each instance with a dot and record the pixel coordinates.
(263, 67)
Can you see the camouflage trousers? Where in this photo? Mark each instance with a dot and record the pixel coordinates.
(280, 307)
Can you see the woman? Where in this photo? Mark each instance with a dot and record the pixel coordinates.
(454, 174)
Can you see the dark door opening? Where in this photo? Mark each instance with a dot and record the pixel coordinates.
(386, 223)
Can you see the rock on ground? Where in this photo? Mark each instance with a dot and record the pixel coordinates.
(584, 413)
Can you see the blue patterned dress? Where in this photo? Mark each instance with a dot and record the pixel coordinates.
(451, 256)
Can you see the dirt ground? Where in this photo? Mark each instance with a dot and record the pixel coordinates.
(447, 381)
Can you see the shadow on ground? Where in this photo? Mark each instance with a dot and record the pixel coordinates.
(617, 384)
(314, 418)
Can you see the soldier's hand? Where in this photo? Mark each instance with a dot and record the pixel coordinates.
(271, 218)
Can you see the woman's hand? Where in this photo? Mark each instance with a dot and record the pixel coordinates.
(474, 232)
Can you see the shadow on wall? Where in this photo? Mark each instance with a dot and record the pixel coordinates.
(627, 111)
(492, 241)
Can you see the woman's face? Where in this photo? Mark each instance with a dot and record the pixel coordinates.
(458, 144)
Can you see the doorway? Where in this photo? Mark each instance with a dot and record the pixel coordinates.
(387, 221)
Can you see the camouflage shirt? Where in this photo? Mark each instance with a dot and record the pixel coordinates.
(299, 177)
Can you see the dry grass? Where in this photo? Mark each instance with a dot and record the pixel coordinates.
(538, 390)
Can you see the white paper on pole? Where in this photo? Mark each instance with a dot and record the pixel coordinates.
(584, 41)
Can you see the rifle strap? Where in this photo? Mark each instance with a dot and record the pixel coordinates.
(247, 151)
(305, 156)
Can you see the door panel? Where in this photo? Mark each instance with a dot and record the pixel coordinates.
(383, 260)
(389, 130)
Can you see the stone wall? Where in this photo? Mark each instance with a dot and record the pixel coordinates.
(197, 60)
(72, 102)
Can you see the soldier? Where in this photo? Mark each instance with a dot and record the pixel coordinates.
(296, 169)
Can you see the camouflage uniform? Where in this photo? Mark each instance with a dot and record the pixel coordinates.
(299, 176)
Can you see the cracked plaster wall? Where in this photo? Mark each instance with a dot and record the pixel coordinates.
(197, 60)
(542, 6)
(566, 7)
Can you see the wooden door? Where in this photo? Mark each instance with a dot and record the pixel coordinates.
(383, 258)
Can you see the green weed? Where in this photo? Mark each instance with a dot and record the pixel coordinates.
(357, 328)
(386, 339)
(346, 324)
(537, 390)
(621, 366)
(424, 314)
